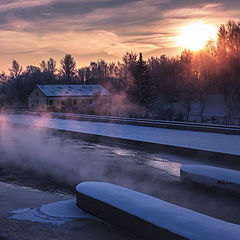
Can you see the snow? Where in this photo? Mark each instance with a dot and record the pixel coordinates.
(216, 176)
(55, 213)
(72, 90)
(63, 209)
(213, 172)
(34, 215)
(215, 142)
(184, 222)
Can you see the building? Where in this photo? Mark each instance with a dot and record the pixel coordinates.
(76, 98)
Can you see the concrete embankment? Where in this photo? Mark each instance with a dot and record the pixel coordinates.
(190, 126)
(215, 146)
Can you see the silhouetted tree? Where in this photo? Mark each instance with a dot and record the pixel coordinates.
(141, 89)
(15, 71)
(228, 57)
(203, 67)
(68, 68)
(3, 78)
(189, 80)
(185, 78)
(126, 68)
(49, 69)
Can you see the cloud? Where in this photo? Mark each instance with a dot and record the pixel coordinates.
(93, 29)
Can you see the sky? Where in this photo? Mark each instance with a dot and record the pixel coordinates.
(35, 30)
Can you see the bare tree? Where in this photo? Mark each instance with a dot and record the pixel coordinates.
(3, 78)
(43, 66)
(188, 80)
(15, 70)
(49, 69)
(51, 64)
(228, 56)
(204, 70)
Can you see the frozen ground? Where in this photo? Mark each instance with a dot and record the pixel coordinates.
(56, 213)
(215, 142)
(13, 198)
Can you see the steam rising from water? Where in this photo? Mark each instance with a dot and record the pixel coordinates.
(44, 159)
(71, 161)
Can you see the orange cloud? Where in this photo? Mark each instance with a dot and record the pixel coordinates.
(32, 30)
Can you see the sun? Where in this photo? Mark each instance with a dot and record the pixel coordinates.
(195, 35)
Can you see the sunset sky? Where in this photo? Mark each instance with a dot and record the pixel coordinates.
(32, 30)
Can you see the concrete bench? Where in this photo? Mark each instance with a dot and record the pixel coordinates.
(212, 176)
(148, 217)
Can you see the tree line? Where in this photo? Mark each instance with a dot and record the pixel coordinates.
(187, 77)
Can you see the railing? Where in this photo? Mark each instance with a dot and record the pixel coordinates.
(190, 118)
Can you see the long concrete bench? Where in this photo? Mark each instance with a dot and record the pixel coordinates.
(148, 217)
(212, 176)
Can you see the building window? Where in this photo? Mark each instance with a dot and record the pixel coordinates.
(36, 101)
(74, 101)
(37, 93)
(90, 101)
(50, 102)
(63, 102)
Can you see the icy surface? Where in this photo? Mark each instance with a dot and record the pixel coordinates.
(55, 213)
(64, 209)
(184, 222)
(72, 90)
(222, 174)
(34, 215)
(23, 210)
(215, 142)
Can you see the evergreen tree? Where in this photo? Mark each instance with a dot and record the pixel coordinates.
(68, 68)
(141, 88)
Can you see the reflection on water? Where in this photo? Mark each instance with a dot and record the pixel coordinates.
(71, 158)
(123, 152)
(171, 168)
(126, 155)
(153, 160)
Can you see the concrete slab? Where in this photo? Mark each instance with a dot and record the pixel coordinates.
(212, 176)
(149, 217)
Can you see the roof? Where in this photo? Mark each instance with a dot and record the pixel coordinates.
(72, 90)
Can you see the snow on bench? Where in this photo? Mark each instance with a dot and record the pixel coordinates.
(149, 217)
(212, 176)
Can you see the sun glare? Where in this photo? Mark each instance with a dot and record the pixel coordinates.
(195, 35)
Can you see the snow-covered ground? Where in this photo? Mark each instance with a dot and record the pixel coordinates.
(37, 214)
(182, 221)
(215, 106)
(215, 142)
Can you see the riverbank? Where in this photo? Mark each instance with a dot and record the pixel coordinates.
(15, 197)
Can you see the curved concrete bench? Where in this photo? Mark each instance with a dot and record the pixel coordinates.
(212, 176)
(148, 217)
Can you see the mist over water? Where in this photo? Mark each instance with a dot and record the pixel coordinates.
(71, 161)
(42, 159)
